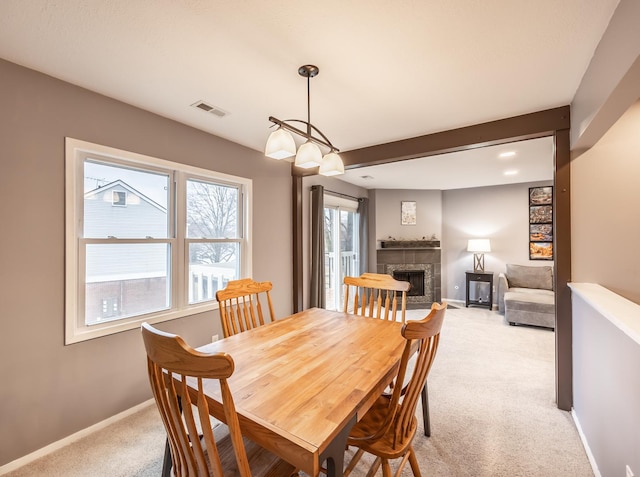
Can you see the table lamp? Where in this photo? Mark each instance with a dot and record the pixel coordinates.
(478, 247)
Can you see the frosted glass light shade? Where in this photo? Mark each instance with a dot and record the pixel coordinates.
(331, 165)
(309, 155)
(280, 145)
(479, 245)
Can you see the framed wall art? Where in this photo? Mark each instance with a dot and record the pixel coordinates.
(541, 223)
(408, 212)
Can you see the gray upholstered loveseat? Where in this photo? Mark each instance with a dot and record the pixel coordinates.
(525, 295)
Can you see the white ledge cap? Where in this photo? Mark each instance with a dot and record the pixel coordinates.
(623, 313)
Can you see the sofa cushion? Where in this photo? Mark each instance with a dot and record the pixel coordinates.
(523, 276)
(541, 302)
(528, 308)
(533, 291)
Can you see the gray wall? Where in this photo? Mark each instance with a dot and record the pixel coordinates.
(499, 213)
(605, 197)
(49, 390)
(428, 214)
(606, 386)
(611, 81)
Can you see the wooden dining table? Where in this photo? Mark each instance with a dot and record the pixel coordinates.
(301, 382)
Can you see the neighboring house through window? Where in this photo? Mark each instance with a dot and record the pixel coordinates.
(147, 239)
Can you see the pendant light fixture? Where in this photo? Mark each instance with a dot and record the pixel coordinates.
(281, 144)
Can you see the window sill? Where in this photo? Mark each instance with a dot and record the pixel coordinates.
(80, 334)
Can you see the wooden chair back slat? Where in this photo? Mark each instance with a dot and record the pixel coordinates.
(427, 332)
(388, 428)
(171, 362)
(241, 308)
(376, 295)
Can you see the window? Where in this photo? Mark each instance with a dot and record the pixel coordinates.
(119, 198)
(147, 239)
(213, 236)
(340, 247)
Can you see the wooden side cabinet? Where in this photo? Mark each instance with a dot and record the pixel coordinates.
(480, 298)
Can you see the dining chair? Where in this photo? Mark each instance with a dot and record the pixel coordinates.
(387, 429)
(171, 364)
(240, 305)
(375, 295)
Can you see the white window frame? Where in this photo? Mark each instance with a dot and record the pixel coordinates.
(75, 153)
(192, 240)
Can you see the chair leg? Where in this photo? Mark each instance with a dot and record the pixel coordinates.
(386, 468)
(353, 462)
(402, 463)
(374, 468)
(425, 411)
(413, 462)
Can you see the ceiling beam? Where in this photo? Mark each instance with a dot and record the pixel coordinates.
(518, 128)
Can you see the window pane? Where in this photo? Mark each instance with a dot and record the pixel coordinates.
(341, 256)
(211, 266)
(124, 280)
(212, 210)
(124, 203)
(330, 266)
(348, 243)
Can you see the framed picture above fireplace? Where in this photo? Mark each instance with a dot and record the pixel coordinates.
(408, 212)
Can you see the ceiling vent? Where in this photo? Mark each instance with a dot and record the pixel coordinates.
(208, 108)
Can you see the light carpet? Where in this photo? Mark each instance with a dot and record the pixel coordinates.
(492, 404)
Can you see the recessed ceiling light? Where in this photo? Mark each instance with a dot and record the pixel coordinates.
(512, 172)
(507, 154)
(366, 178)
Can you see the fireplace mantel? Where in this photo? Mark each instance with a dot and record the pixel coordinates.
(410, 244)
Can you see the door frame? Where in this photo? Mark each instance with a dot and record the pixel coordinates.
(551, 122)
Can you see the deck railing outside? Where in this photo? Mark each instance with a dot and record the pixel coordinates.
(348, 267)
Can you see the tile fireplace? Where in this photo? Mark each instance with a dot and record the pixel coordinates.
(418, 264)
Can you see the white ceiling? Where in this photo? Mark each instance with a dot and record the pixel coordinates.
(389, 70)
(532, 161)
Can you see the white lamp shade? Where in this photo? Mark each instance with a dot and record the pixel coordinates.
(479, 245)
(309, 155)
(331, 165)
(280, 145)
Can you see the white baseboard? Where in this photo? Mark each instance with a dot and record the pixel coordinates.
(13, 465)
(462, 303)
(451, 301)
(585, 444)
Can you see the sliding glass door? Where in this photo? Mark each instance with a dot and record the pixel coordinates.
(340, 250)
